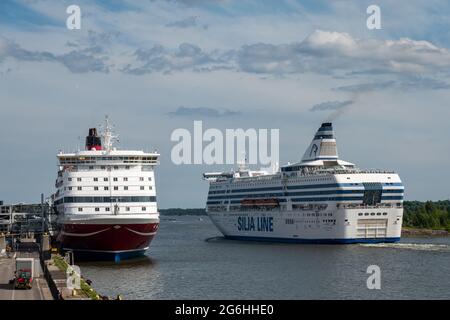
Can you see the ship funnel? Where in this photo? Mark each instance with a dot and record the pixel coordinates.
(323, 146)
(93, 141)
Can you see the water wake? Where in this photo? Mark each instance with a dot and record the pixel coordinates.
(215, 239)
(410, 246)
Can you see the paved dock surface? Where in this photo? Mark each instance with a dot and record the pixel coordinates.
(39, 291)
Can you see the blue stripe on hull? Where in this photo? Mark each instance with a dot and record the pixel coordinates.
(315, 241)
(107, 256)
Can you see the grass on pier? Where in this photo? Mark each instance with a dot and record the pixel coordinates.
(85, 288)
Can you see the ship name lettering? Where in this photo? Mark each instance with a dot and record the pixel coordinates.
(264, 224)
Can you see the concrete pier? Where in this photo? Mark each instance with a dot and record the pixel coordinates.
(40, 289)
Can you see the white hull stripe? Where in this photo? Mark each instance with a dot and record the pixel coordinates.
(141, 233)
(107, 251)
(97, 232)
(83, 234)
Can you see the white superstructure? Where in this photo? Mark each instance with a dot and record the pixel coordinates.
(321, 199)
(104, 183)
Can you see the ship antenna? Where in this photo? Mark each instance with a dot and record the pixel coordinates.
(242, 165)
(78, 144)
(108, 135)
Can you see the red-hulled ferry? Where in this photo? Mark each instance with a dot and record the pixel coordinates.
(106, 199)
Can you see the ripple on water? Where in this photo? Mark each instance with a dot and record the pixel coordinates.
(410, 246)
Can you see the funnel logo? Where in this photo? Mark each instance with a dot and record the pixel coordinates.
(314, 149)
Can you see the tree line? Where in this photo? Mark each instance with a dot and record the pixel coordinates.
(429, 214)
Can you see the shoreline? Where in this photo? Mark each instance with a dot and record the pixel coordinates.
(414, 232)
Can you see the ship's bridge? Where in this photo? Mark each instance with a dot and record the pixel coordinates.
(299, 166)
(112, 157)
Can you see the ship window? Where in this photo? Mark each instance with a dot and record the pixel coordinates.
(97, 209)
(78, 179)
(107, 209)
(366, 214)
(150, 187)
(116, 188)
(105, 179)
(95, 188)
(127, 167)
(360, 214)
(372, 193)
(384, 213)
(91, 167)
(125, 188)
(127, 208)
(106, 188)
(70, 179)
(103, 167)
(142, 187)
(115, 179)
(70, 188)
(144, 208)
(141, 179)
(79, 188)
(95, 179)
(80, 209)
(125, 179)
(116, 168)
(378, 213)
(149, 179)
(372, 213)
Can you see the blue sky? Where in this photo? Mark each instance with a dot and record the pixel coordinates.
(156, 65)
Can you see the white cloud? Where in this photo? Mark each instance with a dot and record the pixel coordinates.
(333, 52)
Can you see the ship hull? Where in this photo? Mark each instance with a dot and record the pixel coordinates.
(337, 226)
(315, 241)
(107, 239)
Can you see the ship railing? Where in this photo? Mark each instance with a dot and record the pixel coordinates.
(107, 162)
(367, 206)
(317, 172)
(269, 177)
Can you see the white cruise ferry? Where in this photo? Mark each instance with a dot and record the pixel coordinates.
(105, 199)
(321, 199)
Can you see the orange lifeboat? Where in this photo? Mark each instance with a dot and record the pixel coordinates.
(270, 202)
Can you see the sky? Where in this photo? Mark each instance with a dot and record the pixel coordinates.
(154, 66)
